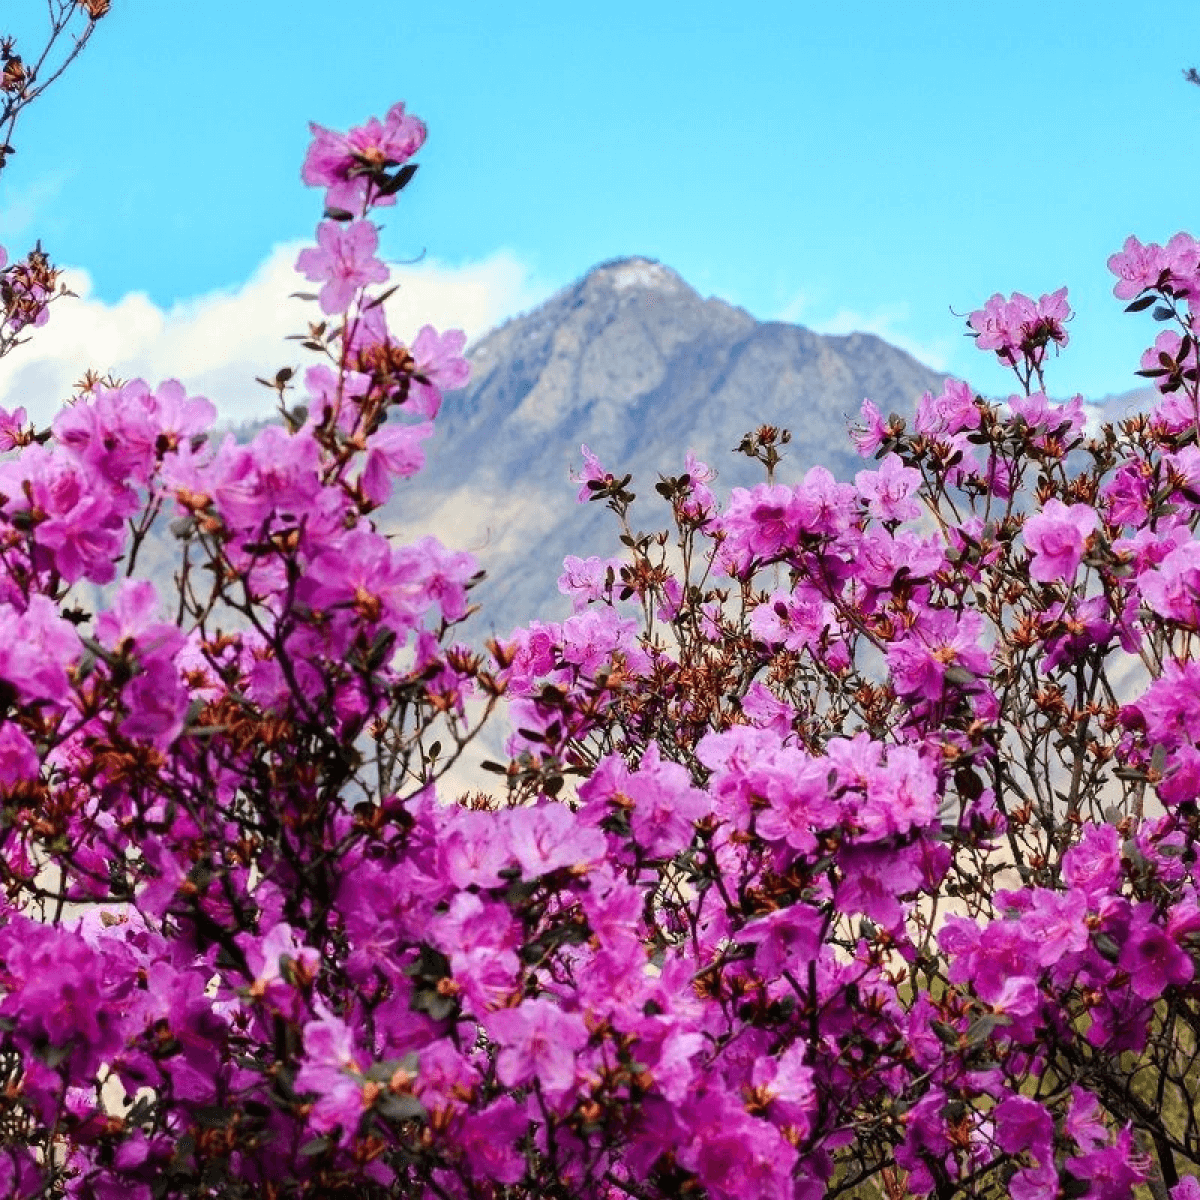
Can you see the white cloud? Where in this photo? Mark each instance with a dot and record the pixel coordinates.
(217, 344)
(887, 322)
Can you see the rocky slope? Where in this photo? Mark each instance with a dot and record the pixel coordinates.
(636, 364)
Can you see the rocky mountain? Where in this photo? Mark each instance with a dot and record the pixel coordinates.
(636, 364)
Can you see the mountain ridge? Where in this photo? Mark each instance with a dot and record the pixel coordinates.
(634, 362)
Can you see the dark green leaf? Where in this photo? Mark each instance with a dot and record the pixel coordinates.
(1106, 947)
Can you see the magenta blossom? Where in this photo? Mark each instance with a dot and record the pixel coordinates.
(888, 492)
(538, 1040)
(344, 260)
(1152, 957)
(1140, 267)
(1057, 536)
(340, 162)
(1021, 328)
(439, 367)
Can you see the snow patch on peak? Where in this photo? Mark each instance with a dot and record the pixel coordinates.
(643, 273)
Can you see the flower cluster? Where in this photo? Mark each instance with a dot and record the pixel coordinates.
(847, 837)
(1019, 329)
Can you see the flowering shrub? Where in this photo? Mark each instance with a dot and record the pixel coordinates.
(847, 843)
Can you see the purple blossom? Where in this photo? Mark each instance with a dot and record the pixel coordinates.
(19, 760)
(873, 431)
(538, 1041)
(439, 367)
(888, 492)
(490, 1138)
(1020, 327)
(665, 804)
(1113, 1171)
(1154, 960)
(593, 472)
(1057, 538)
(339, 162)
(549, 837)
(1139, 267)
(36, 648)
(344, 260)
(953, 411)
(585, 580)
(1024, 1124)
(332, 1070)
(393, 452)
(939, 641)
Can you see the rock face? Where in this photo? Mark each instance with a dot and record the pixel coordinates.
(633, 362)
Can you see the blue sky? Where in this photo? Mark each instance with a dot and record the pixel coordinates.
(870, 165)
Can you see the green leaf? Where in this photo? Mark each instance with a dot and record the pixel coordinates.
(983, 1027)
(382, 1072)
(399, 181)
(946, 1034)
(400, 1108)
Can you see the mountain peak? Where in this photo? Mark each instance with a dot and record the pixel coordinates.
(637, 273)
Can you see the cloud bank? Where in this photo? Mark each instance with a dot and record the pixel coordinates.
(218, 343)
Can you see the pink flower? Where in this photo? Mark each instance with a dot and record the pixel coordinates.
(584, 580)
(158, 703)
(538, 1041)
(12, 425)
(593, 472)
(1152, 957)
(1039, 412)
(36, 647)
(345, 260)
(550, 837)
(480, 938)
(56, 990)
(267, 957)
(1136, 266)
(940, 639)
(489, 1138)
(873, 431)
(888, 491)
(1093, 864)
(951, 412)
(1141, 267)
(1113, 1171)
(18, 758)
(340, 162)
(439, 366)
(1057, 536)
(788, 1082)
(393, 452)
(787, 939)
(132, 622)
(331, 1070)
(1023, 1124)
(1020, 328)
(665, 804)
